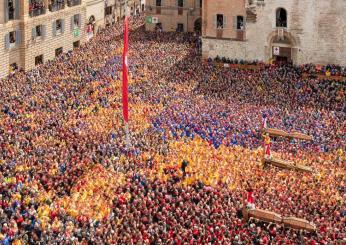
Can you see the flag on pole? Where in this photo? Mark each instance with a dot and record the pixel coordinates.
(125, 71)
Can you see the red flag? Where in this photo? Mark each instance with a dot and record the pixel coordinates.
(125, 71)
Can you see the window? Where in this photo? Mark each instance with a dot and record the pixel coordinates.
(240, 23)
(75, 22)
(180, 27)
(281, 17)
(58, 27)
(58, 52)
(36, 7)
(76, 44)
(56, 5)
(108, 10)
(12, 37)
(158, 3)
(72, 3)
(11, 10)
(180, 3)
(39, 60)
(38, 31)
(219, 21)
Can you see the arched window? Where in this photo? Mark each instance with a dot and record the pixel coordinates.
(281, 17)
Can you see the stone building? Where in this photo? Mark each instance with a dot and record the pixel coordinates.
(115, 9)
(174, 15)
(34, 31)
(301, 31)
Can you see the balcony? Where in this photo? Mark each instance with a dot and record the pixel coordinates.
(56, 5)
(72, 3)
(37, 11)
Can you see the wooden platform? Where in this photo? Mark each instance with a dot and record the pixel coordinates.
(287, 164)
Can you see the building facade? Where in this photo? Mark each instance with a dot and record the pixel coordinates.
(115, 9)
(174, 15)
(34, 31)
(300, 31)
(95, 16)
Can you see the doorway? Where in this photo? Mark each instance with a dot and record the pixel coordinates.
(198, 26)
(281, 55)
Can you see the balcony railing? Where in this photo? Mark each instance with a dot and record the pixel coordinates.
(72, 3)
(56, 6)
(37, 11)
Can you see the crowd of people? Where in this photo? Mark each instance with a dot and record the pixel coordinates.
(334, 70)
(67, 176)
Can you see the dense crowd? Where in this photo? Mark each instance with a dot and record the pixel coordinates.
(334, 70)
(67, 176)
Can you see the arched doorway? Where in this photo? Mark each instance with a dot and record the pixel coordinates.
(198, 25)
(282, 47)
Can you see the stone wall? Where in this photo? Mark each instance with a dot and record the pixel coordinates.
(223, 48)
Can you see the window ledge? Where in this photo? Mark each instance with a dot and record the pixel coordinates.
(58, 33)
